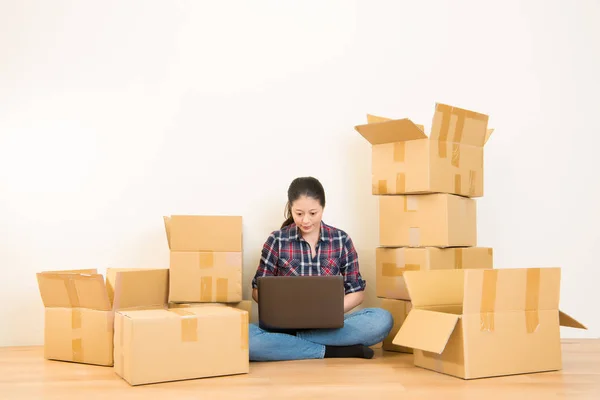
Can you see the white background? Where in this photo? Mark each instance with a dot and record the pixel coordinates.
(115, 113)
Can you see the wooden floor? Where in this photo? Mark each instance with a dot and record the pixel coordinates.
(24, 374)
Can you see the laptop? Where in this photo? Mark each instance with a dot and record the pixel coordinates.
(293, 303)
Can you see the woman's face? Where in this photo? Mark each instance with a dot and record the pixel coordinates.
(307, 213)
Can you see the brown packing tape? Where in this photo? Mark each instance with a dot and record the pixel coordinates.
(414, 237)
(71, 291)
(411, 203)
(206, 289)
(488, 299)
(382, 187)
(532, 300)
(77, 350)
(490, 251)
(400, 182)
(457, 183)
(439, 363)
(458, 258)
(75, 318)
(207, 259)
(392, 269)
(222, 290)
(244, 330)
(399, 152)
(455, 155)
(189, 324)
(472, 177)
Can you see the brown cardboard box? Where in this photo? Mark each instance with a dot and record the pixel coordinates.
(391, 263)
(180, 343)
(485, 323)
(436, 220)
(79, 309)
(205, 258)
(245, 305)
(399, 310)
(405, 160)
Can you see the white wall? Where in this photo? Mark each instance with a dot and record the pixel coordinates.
(115, 113)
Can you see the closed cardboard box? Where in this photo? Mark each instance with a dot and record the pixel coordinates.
(392, 263)
(205, 258)
(484, 323)
(450, 160)
(162, 345)
(427, 220)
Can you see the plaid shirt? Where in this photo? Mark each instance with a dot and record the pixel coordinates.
(286, 253)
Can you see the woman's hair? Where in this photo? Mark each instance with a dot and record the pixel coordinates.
(304, 186)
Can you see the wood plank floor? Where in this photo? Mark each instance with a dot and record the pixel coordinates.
(24, 374)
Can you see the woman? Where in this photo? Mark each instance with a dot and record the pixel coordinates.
(324, 250)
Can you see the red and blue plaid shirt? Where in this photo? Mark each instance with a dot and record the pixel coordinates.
(286, 253)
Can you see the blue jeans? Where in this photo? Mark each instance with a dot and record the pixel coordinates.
(367, 327)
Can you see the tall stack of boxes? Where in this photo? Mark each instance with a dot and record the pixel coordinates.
(427, 211)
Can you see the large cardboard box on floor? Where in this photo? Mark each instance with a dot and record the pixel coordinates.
(392, 262)
(427, 220)
(163, 345)
(79, 310)
(450, 160)
(399, 310)
(205, 258)
(485, 323)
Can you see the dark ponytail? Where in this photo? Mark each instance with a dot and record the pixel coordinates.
(304, 186)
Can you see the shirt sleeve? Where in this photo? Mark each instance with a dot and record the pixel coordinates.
(267, 265)
(353, 281)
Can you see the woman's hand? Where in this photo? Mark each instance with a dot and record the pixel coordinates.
(352, 300)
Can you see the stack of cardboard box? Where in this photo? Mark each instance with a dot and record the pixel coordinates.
(157, 325)
(426, 188)
(461, 316)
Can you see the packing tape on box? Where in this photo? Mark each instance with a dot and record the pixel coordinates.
(244, 330)
(439, 362)
(75, 318)
(414, 237)
(411, 203)
(472, 179)
(381, 187)
(490, 252)
(488, 299)
(458, 258)
(222, 290)
(77, 349)
(399, 152)
(455, 161)
(207, 259)
(532, 300)
(189, 324)
(400, 182)
(392, 269)
(206, 289)
(458, 183)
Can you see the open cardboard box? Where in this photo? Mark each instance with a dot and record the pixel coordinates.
(485, 323)
(205, 258)
(450, 160)
(80, 305)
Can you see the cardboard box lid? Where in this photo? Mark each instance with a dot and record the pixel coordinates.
(138, 288)
(73, 289)
(204, 232)
(452, 124)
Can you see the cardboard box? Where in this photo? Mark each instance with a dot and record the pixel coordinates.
(399, 310)
(173, 344)
(484, 323)
(245, 305)
(427, 220)
(205, 258)
(79, 309)
(405, 160)
(391, 263)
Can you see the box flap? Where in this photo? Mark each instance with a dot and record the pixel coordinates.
(435, 287)
(72, 290)
(488, 134)
(138, 288)
(167, 221)
(390, 131)
(426, 330)
(570, 322)
(454, 124)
